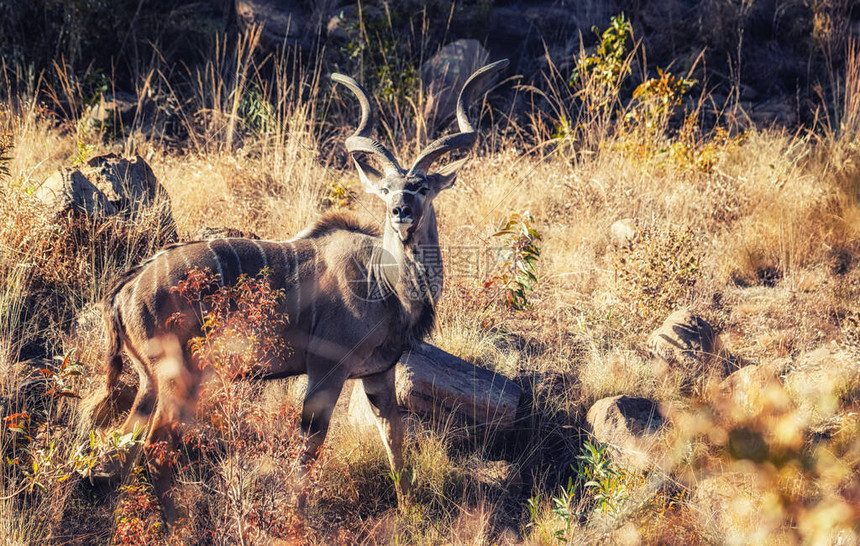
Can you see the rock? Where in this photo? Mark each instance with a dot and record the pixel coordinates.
(342, 25)
(283, 21)
(115, 112)
(109, 185)
(498, 475)
(105, 185)
(112, 109)
(69, 191)
(777, 111)
(732, 507)
(444, 74)
(555, 23)
(623, 232)
(631, 426)
(687, 342)
(745, 392)
(509, 24)
(823, 381)
(205, 233)
(128, 184)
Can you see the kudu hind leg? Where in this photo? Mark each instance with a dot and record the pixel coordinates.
(140, 414)
(320, 399)
(381, 393)
(177, 381)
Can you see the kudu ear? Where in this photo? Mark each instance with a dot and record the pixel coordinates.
(445, 178)
(369, 176)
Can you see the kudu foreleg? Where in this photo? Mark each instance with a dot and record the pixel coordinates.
(383, 401)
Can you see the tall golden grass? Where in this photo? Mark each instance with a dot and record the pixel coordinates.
(770, 214)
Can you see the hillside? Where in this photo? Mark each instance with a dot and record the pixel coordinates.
(656, 239)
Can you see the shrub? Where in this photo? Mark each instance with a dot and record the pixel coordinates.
(656, 274)
(516, 260)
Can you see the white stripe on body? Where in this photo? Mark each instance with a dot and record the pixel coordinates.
(262, 253)
(235, 255)
(217, 262)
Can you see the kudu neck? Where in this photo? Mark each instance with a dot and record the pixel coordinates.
(418, 262)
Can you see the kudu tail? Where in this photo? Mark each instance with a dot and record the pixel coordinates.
(105, 408)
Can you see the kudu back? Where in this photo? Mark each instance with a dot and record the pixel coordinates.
(354, 300)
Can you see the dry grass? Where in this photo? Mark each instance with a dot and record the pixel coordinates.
(769, 218)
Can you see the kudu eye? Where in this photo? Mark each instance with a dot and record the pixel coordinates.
(384, 191)
(423, 190)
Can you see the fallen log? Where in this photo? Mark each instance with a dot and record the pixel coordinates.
(440, 386)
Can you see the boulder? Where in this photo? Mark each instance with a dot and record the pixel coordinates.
(746, 392)
(342, 25)
(112, 109)
(128, 184)
(822, 382)
(105, 186)
(68, 191)
(444, 74)
(121, 111)
(283, 21)
(687, 342)
(632, 427)
(731, 507)
(779, 111)
(623, 232)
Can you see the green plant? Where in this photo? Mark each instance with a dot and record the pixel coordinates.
(594, 486)
(83, 154)
(517, 260)
(257, 113)
(608, 65)
(605, 487)
(35, 451)
(376, 52)
(654, 101)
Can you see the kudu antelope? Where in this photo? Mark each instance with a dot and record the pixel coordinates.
(354, 300)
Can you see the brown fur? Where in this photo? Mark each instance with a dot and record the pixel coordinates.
(340, 220)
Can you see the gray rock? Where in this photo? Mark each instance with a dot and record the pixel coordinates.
(444, 74)
(283, 21)
(731, 507)
(69, 191)
(112, 108)
(342, 25)
(686, 341)
(632, 427)
(823, 381)
(108, 185)
(623, 232)
(121, 111)
(128, 184)
(745, 392)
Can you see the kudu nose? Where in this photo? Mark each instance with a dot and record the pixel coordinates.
(402, 213)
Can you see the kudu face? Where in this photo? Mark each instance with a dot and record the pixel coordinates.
(408, 198)
(409, 195)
